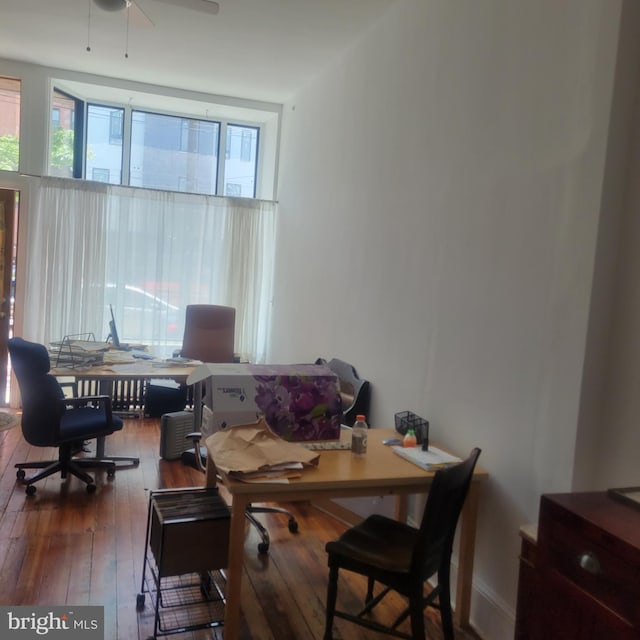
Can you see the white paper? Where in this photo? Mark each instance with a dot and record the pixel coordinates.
(429, 460)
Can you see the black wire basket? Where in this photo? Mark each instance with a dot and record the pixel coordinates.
(406, 420)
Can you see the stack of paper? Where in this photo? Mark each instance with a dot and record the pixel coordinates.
(430, 460)
(181, 360)
(274, 473)
(77, 353)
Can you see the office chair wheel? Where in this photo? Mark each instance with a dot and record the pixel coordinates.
(140, 602)
(263, 548)
(111, 471)
(21, 474)
(30, 490)
(293, 525)
(91, 488)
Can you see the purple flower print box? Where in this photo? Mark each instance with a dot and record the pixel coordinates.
(300, 402)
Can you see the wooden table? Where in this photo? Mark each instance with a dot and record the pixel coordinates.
(105, 375)
(124, 371)
(341, 474)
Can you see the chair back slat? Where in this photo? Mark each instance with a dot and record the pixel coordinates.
(446, 498)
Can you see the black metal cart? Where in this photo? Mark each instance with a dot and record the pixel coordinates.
(185, 552)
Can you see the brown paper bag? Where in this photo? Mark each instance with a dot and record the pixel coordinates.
(247, 448)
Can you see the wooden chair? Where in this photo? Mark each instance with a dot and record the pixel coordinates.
(402, 558)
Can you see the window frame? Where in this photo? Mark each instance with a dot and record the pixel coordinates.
(80, 138)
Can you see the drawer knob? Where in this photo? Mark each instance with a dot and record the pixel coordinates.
(589, 562)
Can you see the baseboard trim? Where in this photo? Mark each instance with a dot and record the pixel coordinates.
(490, 616)
(338, 512)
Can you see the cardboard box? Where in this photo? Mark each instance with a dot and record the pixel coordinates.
(214, 421)
(300, 402)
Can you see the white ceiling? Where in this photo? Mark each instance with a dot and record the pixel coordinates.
(254, 49)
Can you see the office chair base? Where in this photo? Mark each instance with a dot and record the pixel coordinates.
(190, 458)
(114, 459)
(74, 467)
(292, 524)
(263, 546)
(101, 456)
(199, 462)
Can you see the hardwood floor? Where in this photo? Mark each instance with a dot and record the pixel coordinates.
(64, 546)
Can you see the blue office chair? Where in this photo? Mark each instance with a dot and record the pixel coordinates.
(49, 419)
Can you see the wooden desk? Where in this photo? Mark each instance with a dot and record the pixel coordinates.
(106, 375)
(341, 474)
(124, 371)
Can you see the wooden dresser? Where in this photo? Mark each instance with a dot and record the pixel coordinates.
(587, 573)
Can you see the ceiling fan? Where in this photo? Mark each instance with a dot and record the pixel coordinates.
(140, 18)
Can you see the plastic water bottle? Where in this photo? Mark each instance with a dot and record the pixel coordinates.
(359, 436)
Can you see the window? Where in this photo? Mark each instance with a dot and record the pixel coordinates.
(241, 165)
(144, 148)
(9, 124)
(104, 142)
(160, 253)
(63, 138)
(174, 153)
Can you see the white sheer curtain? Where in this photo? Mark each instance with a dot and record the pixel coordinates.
(66, 258)
(149, 254)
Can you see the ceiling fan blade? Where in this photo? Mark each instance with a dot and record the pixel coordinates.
(138, 17)
(112, 5)
(205, 6)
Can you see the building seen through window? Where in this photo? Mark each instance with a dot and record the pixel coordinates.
(62, 135)
(241, 163)
(104, 143)
(174, 153)
(9, 124)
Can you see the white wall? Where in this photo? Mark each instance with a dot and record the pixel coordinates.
(608, 437)
(440, 193)
(616, 444)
